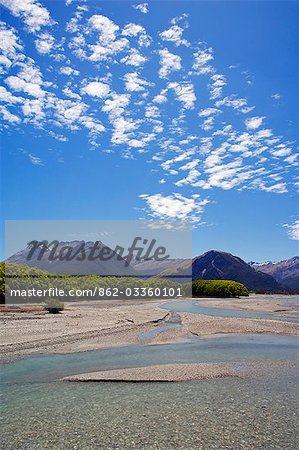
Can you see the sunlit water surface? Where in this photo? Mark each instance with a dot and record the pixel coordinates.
(39, 412)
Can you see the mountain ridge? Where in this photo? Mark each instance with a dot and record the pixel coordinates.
(214, 264)
(285, 272)
(220, 265)
(113, 265)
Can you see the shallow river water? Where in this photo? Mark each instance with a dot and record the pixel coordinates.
(246, 347)
(40, 412)
(195, 307)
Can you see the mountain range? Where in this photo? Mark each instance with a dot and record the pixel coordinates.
(212, 265)
(113, 265)
(218, 265)
(285, 272)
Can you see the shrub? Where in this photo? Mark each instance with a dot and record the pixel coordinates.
(54, 306)
(218, 288)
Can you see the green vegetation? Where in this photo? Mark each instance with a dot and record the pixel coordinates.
(54, 306)
(22, 278)
(218, 288)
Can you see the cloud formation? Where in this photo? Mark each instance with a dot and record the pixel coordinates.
(35, 15)
(158, 95)
(142, 7)
(174, 207)
(293, 230)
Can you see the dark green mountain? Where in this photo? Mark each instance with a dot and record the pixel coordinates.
(218, 265)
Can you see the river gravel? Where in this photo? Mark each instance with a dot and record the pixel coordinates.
(232, 413)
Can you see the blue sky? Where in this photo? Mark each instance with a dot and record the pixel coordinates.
(159, 110)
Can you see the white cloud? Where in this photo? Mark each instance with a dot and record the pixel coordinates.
(19, 84)
(276, 96)
(132, 29)
(134, 83)
(96, 89)
(107, 28)
(8, 116)
(7, 97)
(66, 113)
(190, 165)
(44, 43)
(252, 123)
(174, 34)
(193, 173)
(161, 98)
(262, 134)
(281, 150)
(225, 176)
(142, 7)
(58, 137)
(169, 63)
(33, 109)
(201, 59)
(123, 127)
(174, 207)
(279, 188)
(33, 13)
(209, 112)
(107, 44)
(102, 52)
(136, 143)
(216, 87)
(144, 40)
(116, 104)
(68, 71)
(208, 123)
(5, 63)
(10, 45)
(180, 19)
(152, 111)
(73, 113)
(293, 230)
(185, 93)
(134, 58)
(292, 159)
(182, 157)
(74, 24)
(95, 128)
(239, 104)
(158, 128)
(69, 93)
(189, 179)
(35, 160)
(28, 80)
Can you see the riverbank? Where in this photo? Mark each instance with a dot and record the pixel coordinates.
(266, 303)
(207, 326)
(88, 325)
(80, 327)
(163, 372)
(180, 372)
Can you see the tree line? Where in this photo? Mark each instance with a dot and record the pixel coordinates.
(22, 277)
